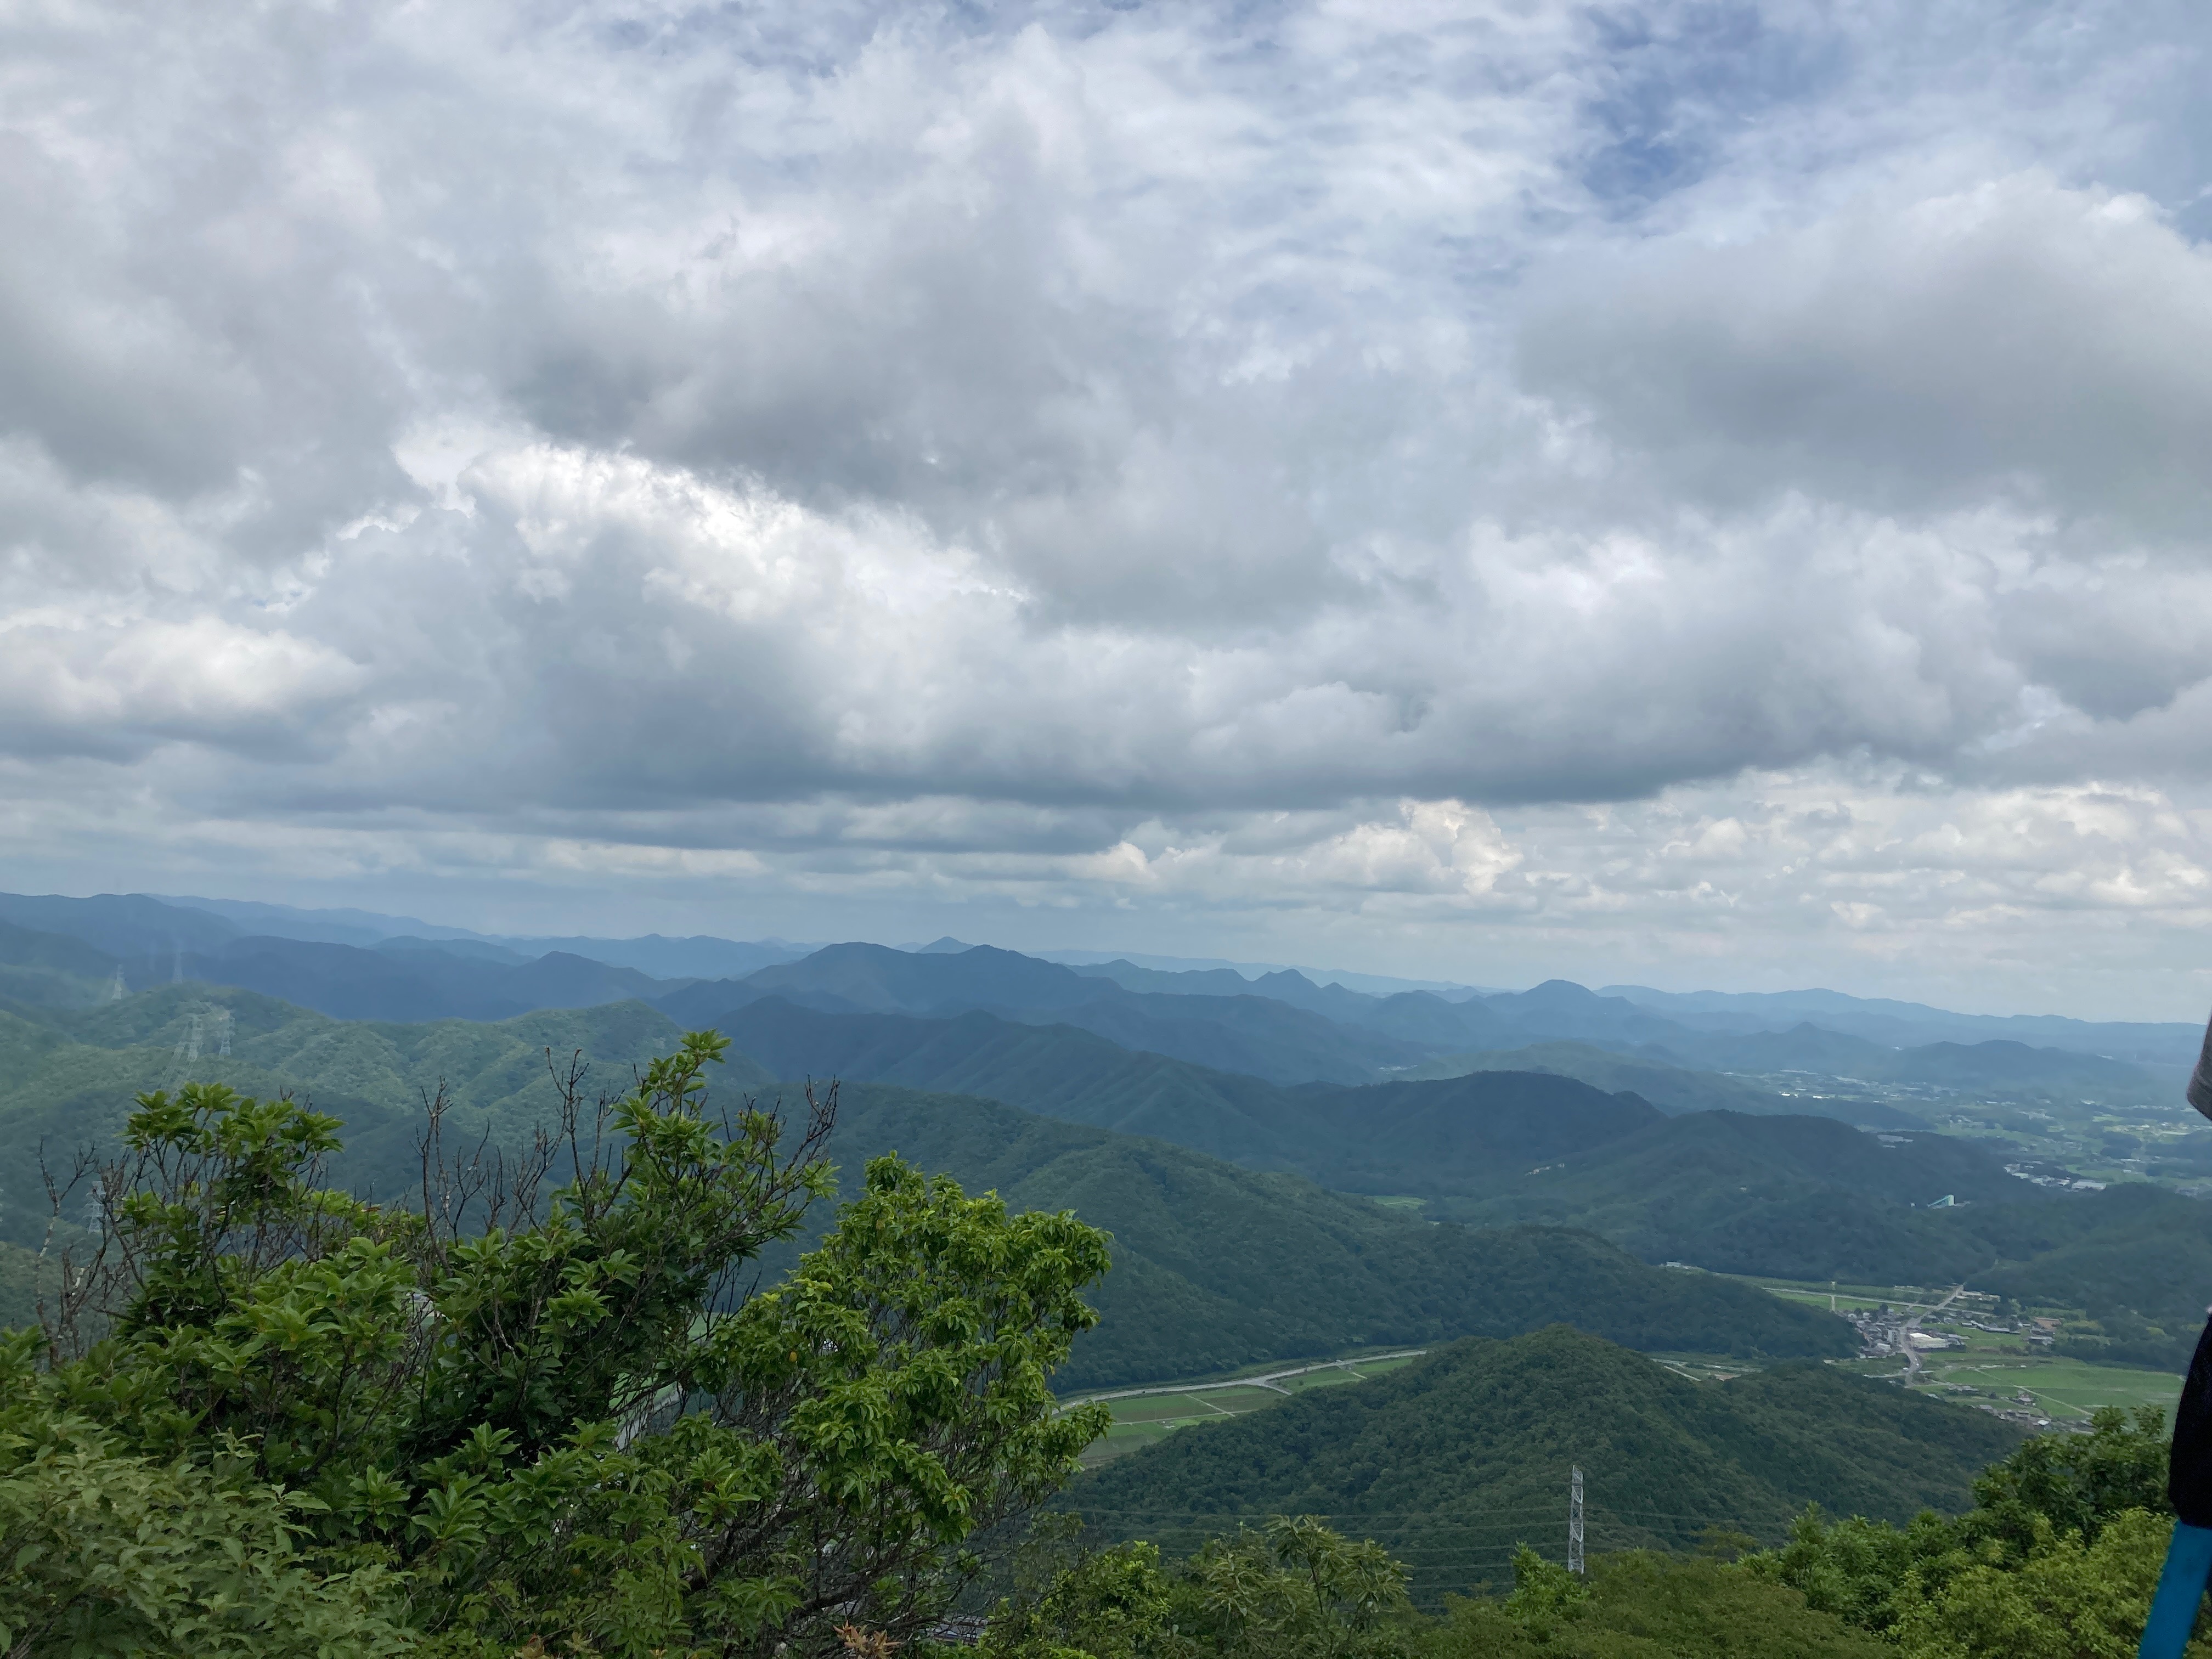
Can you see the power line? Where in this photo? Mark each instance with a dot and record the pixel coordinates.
(1335, 1514)
(1597, 1514)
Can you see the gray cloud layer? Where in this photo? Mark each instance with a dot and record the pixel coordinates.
(894, 451)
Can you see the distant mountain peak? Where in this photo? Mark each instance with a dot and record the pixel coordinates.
(1556, 992)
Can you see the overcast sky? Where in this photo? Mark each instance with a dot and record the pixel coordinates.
(1700, 493)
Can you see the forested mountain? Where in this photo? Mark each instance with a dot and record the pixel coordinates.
(1578, 1142)
(697, 956)
(1218, 1266)
(121, 925)
(1249, 1034)
(27, 948)
(875, 977)
(1796, 1196)
(2136, 1256)
(1413, 1016)
(1280, 1026)
(1255, 1035)
(396, 979)
(948, 1315)
(1673, 1088)
(414, 982)
(1222, 1266)
(1060, 1071)
(1464, 1134)
(1999, 1066)
(1283, 1028)
(1654, 1163)
(129, 925)
(1912, 1024)
(1453, 1459)
(1446, 1136)
(1805, 1198)
(1469, 1143)
(70, 1083)
(50, 970)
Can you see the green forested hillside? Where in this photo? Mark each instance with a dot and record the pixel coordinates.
(495, 1066)
(1247, 1033)
(1794, 1196)
(395, 979)
(50, 970)
(68, 1081)
(1251, 1034)
(1798, 1197)
(1672, 1089)
(118, 925)
(1804, 1199)
(2135, 1257)
(1725, 1189)
(1218, 1266)
(1443, 1137)
(895, 1396)
(1059, 1071)
(22, 948)
(25, 1277)
(1452, 1461)
(1469, 1134)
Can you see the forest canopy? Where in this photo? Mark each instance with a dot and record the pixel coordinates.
(271, 1418)
(554, 1405)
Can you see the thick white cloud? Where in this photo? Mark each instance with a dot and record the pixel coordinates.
(1189, 463)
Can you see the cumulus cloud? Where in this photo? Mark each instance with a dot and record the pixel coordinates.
(2017, 338)
(1191, 458)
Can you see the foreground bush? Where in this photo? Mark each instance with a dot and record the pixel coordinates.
(2057, 1559)
(1292, 1591)
(2066, 1598)
(1641, 1606)
(1295, 1590)
(506, 1416)
(102, 1552)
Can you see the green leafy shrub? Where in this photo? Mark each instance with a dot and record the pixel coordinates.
(1293, 1589)
(2065, 1597)
(2057, 1559)
(107, 1552)
(536, 1412)
(1643, 1604)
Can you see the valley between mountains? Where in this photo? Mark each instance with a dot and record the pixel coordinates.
(1574, 1205)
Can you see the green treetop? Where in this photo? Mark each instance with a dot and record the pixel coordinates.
(532, 1408)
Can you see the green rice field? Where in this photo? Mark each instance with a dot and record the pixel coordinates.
(1996, 1371)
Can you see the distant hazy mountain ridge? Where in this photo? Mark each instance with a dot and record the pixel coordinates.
(1280, 1025)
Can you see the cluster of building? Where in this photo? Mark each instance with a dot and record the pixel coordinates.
(1886, 1332)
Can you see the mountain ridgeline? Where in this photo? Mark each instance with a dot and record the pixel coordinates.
(1282, 1026)
(1554, 1108)
(1217, 1266)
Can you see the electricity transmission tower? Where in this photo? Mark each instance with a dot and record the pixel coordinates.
(1574, 1522)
